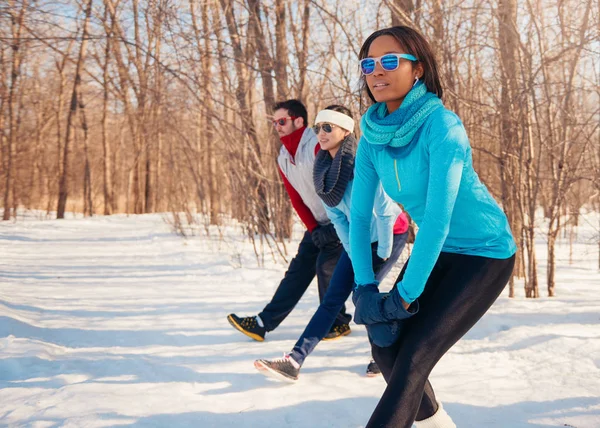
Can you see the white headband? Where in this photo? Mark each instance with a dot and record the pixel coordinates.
(336, 118)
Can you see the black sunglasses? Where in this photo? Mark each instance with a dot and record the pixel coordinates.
(327, 127)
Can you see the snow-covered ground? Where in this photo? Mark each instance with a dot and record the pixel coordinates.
(116, 321)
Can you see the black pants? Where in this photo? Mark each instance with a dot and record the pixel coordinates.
(458, 292)
(309, 261)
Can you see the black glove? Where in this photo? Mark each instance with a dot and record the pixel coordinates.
(375, 307)
(384, 334)
(322, 236)
(380, 313)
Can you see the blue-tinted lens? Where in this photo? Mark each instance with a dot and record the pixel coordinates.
(367, 65)
(325, 127)
(389, 62)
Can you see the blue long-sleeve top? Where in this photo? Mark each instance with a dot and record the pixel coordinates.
(384, 213)
(435, 182)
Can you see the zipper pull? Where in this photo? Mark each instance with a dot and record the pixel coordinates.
(397, 177)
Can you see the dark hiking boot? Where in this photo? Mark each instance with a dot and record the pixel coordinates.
(338, 331)
(373, 369)
(247, 325)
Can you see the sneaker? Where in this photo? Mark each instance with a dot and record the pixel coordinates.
(284, 368)
(373, 369)
(247, 325)
(338, 331)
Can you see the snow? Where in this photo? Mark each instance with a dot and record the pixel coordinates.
(116, 321)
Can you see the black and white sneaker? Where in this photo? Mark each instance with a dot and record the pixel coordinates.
(248, 325)
(285, 368)
(373, 369)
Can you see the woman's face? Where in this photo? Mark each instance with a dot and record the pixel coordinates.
(391, 87)
(332, 140)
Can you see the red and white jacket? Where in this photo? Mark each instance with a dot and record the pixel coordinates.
(296, 162)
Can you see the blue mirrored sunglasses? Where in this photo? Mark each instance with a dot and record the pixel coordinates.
(389, 62)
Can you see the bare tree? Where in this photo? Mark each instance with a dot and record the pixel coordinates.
(508, 43)
(401, 11)
(63, 184)
(282, 50)
(106, 145)
(257, 186)
(16, 18)
(178, 96)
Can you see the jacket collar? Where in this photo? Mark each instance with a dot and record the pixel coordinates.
(292, 141)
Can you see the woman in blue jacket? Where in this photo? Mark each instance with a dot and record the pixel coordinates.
(386, 234)
(463, 255)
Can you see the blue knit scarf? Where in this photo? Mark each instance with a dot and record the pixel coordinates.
(398, 128)
(331, 176)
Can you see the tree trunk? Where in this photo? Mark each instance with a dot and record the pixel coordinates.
(211, 161)
(284, 218)
(88, 206)
(238, 209)
(15, 71)
(63, 185)
(107, 155)
(303, 54)
(265, 63)
(260, 203)
(438, 30)
(143, 171)
(401, 11)
(531, 192)
(37, 188)
(127, 85)
(560, 165)
(59, 136)
(138, 200)
(3, 97)
(281, 43)
(550, 273)
(157, 180)
(509, 143)
(149, 188)
(156, 192)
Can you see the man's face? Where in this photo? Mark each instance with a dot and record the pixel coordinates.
(289, 125)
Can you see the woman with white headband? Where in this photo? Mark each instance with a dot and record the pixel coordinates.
(333, 174)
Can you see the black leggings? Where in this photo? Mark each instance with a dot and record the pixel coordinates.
(458, 292)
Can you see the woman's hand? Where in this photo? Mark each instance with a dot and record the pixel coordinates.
(404, 304)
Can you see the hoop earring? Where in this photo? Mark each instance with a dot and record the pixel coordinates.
(416, 81)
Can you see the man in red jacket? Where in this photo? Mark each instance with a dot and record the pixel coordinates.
(320, 247)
